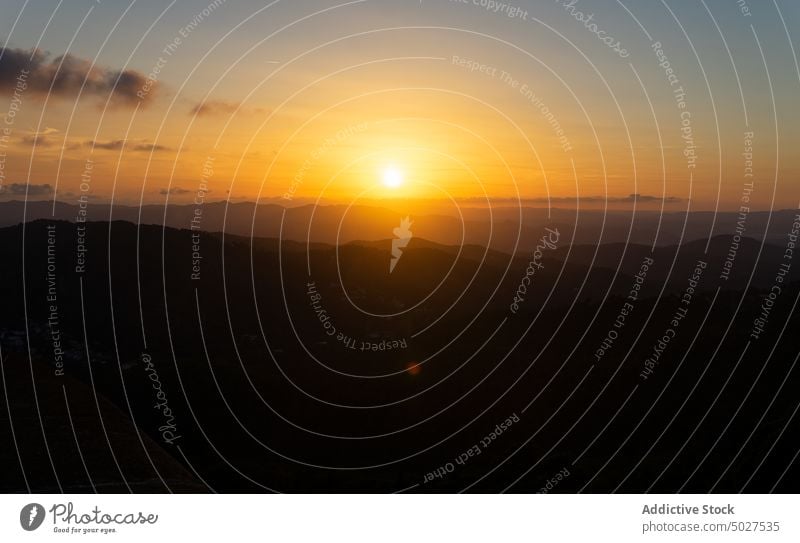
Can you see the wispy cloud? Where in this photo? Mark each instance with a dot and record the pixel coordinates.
(174, 191)
(214, 107)
(116, 145)
(211, 108)
(41, 139)
(46, 138)
(631, 198)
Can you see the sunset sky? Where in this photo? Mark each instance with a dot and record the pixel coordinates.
(365, 99)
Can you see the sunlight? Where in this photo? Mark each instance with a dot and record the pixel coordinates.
(392, 177)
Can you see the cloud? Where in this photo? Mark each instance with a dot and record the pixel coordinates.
(631, 198)
(150, 147)
(116, 145)
(222, 107)
(41, 139)
(45, 139)
(34, 71)
(214, 107)
(174, 190)
(648, 198)
(23, 189)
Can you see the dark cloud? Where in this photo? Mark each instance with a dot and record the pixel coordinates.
(44, 76)
(22, 189)
(174, 190)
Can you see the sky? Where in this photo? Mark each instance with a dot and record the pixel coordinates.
(688, 104)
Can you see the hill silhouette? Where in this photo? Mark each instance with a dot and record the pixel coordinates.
(264, 398)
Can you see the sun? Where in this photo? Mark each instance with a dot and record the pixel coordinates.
(392, 177)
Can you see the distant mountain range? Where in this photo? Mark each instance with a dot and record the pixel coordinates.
(503, 229)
